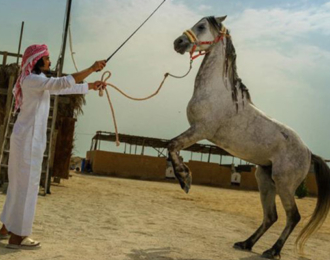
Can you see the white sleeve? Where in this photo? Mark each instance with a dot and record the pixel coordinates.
(75, 89)
(56, 86)
(41, 83)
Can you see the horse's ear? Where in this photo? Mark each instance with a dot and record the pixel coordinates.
(221, 19)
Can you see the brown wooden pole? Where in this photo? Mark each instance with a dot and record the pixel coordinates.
(65, 36)
(209, 158)
(59, 74)
(20, 42)
(4, 58)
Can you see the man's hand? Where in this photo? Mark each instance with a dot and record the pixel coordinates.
(99, 65)
(97, 85)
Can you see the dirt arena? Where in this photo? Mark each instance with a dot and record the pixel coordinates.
(102, 218)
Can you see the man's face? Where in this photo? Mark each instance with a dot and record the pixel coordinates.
(47, 64)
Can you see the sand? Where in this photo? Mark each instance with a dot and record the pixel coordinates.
(96, 218)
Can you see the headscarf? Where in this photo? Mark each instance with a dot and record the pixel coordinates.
(31, 55)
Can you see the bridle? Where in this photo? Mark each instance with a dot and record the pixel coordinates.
(222, 32)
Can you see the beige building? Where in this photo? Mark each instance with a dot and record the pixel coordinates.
(145, 167)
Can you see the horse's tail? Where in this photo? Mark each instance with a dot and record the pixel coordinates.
(322, 174)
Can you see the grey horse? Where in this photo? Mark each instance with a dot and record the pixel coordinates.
(222, 112)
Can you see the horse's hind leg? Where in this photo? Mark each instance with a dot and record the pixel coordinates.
(267, 194)
(186, 139)
(286, 184)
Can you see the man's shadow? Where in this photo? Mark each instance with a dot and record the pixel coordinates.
(4, 250)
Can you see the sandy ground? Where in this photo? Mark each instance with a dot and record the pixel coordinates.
(96, 218)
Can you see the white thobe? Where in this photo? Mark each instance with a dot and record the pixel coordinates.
(27, 145)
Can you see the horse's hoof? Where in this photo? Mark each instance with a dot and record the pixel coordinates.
(184, 177)
(271, 254)
(185, 182)
(242, 246)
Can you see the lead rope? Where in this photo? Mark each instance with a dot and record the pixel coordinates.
(107, 74)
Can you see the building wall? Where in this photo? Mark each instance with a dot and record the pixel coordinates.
(153, 168)
(311, 184)
(128, 165)
(210, 174)
(248, 180)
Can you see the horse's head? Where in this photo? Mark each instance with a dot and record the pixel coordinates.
(201, 36)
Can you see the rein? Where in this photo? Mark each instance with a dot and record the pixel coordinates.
(107, 74)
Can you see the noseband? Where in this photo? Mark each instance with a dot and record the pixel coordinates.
(222, 32)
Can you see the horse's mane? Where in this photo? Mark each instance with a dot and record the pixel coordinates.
(230, 70)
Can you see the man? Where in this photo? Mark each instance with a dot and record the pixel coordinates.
(28, 140)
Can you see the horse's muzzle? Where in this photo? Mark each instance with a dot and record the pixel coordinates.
(182, 44)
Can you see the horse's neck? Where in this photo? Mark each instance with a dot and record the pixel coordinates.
(210, 74)
(213, 60)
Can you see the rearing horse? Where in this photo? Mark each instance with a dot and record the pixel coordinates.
(221, 111)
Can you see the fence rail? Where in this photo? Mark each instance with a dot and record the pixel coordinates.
(6, 54)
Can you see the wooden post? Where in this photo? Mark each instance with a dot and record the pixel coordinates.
(10, 92)
(63, 148)
(9, 101)
(4, 58)
(208, 160)
(2, 133)
(52, 154)
(142, 149)
(20, 42)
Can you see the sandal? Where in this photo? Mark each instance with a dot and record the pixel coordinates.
(26, 244)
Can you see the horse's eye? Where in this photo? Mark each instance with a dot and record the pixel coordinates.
(201, 27)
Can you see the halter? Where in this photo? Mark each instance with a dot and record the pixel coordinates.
(222, 32)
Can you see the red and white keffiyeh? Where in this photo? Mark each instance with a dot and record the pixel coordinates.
(31, 55)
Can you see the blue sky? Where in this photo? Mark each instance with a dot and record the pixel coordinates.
(283, 50)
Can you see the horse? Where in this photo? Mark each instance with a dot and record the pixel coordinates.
(222, 112)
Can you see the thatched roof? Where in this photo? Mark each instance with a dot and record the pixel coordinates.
(5, 73)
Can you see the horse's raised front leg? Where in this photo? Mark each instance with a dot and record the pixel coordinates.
(267, 195)
(186, 139)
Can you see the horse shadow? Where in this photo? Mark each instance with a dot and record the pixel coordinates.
(155, 254)
(254, 257)
(259, 257)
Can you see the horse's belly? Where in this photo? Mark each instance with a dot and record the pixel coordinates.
(255, 156)
(248, 147)
(258, 143)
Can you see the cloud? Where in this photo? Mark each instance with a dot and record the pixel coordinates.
(203, 8)
(281, 24)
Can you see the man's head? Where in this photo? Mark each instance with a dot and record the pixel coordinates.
(31, 57)
(42, 65)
